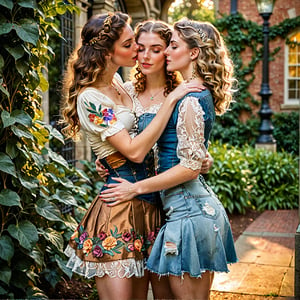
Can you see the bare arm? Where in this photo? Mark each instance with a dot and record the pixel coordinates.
(136, 149)
(126, 190)
(192, 155)
(206, 165)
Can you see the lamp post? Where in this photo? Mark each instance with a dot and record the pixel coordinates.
(233, 7)
(265, 138)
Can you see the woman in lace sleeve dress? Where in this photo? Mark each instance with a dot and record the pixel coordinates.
(196, 239)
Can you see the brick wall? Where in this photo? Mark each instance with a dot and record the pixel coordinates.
(281, 12)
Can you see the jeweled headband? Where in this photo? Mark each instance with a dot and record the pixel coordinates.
(106, 29)
(203, 34)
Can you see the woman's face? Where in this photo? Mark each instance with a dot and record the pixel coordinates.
(125, 49)
(178, 55)
(151, 55)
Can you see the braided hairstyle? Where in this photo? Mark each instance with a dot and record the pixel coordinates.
(87, 63)
(214, 65)
(165, 33)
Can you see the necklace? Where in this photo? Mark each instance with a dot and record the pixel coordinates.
(152, 96)
(116, 89)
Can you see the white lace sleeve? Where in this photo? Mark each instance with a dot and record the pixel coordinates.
(190, 131)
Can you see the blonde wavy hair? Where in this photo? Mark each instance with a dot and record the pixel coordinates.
(164, 31)
(213, 63)
(87, 62)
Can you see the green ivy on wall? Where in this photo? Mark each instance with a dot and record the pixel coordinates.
(244, 35)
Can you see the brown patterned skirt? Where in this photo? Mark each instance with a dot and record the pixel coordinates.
(114, 241)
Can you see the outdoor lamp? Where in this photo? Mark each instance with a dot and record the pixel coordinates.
(265, 138)
(265, 6)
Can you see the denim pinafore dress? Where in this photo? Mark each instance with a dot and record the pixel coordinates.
(197, 235)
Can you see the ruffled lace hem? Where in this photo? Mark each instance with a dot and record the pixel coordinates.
(125, 268)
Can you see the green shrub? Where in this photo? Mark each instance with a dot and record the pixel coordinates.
(286, 132)
(254, 178)
(35, 182)
(277, 180)
(229, 177)
(228, 130)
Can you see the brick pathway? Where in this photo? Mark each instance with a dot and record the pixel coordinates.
(266, 252)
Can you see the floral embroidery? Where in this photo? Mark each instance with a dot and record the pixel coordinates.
(138, 245)
(111, 243)
(102, 117)
(87, 246)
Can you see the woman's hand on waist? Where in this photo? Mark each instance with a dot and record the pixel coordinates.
(102, 172)
(118, 192)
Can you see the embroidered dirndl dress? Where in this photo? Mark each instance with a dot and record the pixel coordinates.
(113, 241)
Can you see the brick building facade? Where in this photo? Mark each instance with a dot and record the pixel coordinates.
(283, 72)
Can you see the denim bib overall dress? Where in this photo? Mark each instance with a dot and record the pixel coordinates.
(197, 235)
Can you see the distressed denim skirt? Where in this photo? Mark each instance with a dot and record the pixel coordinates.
(196, 237)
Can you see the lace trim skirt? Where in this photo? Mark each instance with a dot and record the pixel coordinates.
(114, 241)
(197, 235)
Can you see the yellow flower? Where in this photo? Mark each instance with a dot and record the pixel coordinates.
(42, 179)
(138, 245)
(109, 243)
(98, 120)
(87, 246)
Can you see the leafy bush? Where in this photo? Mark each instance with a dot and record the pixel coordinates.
(35, 181)
(276, 180)
(286, 131)
(254, 178)
(228, 130)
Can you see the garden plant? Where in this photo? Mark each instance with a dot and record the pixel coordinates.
(37, 183)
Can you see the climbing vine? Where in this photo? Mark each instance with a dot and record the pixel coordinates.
(244, 35)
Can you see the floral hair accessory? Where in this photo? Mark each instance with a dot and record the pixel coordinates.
(107, 23)
(203, 35)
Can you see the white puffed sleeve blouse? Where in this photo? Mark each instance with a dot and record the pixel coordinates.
(100, 118)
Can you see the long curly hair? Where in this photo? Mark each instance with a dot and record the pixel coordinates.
(87, 63)
(213, 63)
(165, 33)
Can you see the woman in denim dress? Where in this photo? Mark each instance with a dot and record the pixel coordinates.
(150, 84)
(196, 240)
(111, 243)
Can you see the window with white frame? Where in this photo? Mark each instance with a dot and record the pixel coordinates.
(292, 82)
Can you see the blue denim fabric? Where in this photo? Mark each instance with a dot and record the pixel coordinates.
(197, 235)
(144, 120)
(198, 227)
(167, 143)
(132, 172)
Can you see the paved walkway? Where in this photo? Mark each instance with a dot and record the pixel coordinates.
(266, 252)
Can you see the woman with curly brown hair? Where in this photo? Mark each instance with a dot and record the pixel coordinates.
(196, 239)
(149, 86)
(111, 243)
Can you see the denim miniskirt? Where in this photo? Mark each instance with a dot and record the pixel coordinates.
(196, 237)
